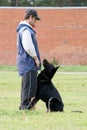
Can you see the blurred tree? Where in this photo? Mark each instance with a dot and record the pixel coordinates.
(17, 2)
(49, 2)
(4, 2)
(79, 2)
(43, 3)
(27, 2)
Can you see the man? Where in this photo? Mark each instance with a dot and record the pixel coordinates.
(28, 57)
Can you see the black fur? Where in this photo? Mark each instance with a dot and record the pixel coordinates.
(46, 91)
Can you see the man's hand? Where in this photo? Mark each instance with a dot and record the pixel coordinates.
(36, 61)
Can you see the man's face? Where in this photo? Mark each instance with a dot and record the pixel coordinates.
(32, 20)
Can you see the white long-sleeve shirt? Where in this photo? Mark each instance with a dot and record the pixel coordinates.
(27, 41)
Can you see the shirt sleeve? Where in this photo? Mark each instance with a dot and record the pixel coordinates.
(28, 44)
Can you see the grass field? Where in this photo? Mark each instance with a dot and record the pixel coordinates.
(73, 89)
(70, 68)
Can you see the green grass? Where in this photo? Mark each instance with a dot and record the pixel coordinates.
(7, 68)
(73, 89)
(73, 68)
(69, 68)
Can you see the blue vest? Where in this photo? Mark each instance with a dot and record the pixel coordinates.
(25, 62)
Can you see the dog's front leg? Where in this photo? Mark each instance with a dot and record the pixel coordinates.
(33, 103)
(47, 107)
(48, 110)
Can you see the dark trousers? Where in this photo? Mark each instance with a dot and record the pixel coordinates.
(28, 88)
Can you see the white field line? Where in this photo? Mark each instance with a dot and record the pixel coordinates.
(72, 73)
(69, 8)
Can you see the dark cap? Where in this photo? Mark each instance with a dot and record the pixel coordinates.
(32, 12)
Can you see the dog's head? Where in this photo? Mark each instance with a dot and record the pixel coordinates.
(49, 70)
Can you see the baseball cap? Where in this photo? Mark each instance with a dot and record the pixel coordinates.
(32, 12)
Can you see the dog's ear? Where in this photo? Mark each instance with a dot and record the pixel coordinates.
(53, 72)
(56, 68)
(45, 63)
(44, 60)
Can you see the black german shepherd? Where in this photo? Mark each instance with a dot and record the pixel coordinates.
(46, 91)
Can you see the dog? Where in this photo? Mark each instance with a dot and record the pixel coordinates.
(46, 91)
